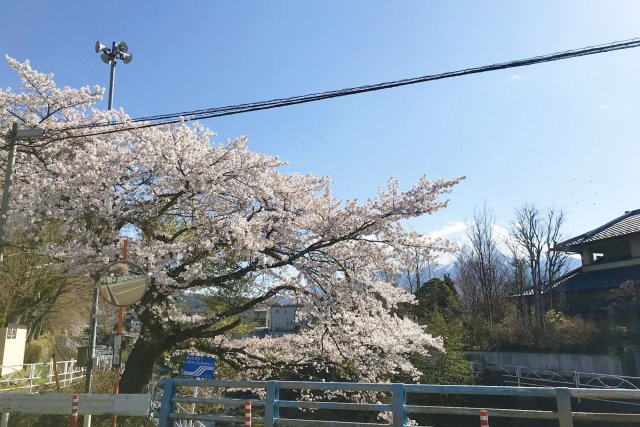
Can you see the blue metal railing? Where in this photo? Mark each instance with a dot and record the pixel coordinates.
(394, 398)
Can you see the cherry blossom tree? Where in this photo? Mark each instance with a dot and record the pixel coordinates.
(203, 215)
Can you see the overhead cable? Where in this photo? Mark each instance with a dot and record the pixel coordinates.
(208, 113)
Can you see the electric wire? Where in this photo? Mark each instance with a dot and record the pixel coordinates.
(202, 114)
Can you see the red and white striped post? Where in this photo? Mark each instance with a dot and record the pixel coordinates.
(484, 418)
(247, 413)
(74, 410)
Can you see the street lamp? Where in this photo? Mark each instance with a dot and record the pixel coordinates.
(14, 136)
(118, 50)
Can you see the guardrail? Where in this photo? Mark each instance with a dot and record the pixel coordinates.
(136, 405)
(392, 396)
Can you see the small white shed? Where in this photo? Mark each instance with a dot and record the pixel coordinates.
(13, 339)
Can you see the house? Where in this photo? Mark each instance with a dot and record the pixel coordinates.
(13, 339)
(281, 319)
(610, 271)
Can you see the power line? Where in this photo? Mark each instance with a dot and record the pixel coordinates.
(202, 114)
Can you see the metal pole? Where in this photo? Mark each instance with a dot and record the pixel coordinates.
(247, 413)
(74, 410)
(484, 418)
(91, 360)
(112, 78)
(118, 336)
(6, 192)
(193, 405)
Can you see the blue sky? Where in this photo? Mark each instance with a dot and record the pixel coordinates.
(563, 134)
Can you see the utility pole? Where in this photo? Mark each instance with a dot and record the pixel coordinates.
(92, 359)
(109, 56)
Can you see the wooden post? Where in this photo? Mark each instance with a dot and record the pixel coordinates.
(55, 372)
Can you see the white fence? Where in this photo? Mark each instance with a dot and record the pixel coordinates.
(523, 376)
(32, 377)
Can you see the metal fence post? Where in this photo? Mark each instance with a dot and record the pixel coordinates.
(166, 403)
(271, 409)
(565, 415)
(4, 421)
(397, 405)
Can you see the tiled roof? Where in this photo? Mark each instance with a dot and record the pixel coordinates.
(600, 279)
(557, 282)
(579, 280)
(628, 223)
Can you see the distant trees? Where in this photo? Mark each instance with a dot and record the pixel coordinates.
(35, 292)
(534, 233)
(500, 278)
(482, 276)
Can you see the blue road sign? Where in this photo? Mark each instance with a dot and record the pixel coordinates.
(198, 366)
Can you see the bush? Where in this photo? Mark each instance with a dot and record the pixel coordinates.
(562, 334)
(33, 353)
(38, 351)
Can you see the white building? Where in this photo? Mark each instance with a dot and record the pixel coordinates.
(13, 339)
(281, 319)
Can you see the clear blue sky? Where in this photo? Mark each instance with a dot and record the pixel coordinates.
(564, 133)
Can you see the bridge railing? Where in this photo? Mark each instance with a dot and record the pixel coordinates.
(390, 399)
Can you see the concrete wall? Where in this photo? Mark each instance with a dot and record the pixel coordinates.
(13, 339)
(552, 361)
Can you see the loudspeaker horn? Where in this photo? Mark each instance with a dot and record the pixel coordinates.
(100, 47)
(105, 58)
(126, 57)
(123, 47)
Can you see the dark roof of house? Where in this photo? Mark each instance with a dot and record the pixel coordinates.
(557, 282)
(580, 280)
(598, 279)
(628, 223)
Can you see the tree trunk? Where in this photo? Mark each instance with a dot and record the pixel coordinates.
(139, 367)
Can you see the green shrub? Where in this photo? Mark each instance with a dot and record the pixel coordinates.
(33, 353)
